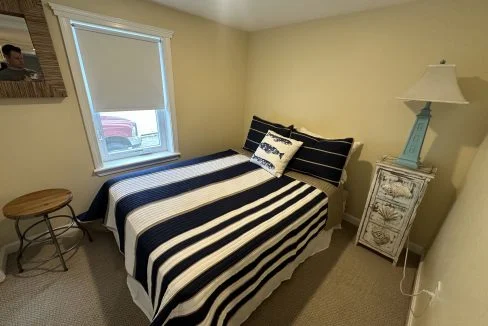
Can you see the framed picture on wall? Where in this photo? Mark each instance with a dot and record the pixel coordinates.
(28, 64)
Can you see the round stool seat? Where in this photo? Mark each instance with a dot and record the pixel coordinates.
(37, 203)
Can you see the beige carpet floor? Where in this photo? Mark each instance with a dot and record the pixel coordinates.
(345, 285)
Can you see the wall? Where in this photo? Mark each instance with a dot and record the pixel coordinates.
(43, 141)
(340, 76)
(458, 256)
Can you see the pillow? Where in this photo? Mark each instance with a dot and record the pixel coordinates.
(258, 130)
(322, 158)
(355, 146)
(274, 152)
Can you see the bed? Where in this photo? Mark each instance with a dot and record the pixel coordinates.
(207, 240)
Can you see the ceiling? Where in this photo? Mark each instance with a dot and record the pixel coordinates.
(253, 15)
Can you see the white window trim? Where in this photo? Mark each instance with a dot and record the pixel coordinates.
(134, 162)
(65, 15)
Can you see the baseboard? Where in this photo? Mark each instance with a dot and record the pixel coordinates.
(352, 219)
(12, 247)
(413, 247)
(416, 289)
(3, 264)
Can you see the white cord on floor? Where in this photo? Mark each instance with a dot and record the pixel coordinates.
(429, 293)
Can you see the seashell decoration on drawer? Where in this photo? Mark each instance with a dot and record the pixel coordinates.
(387, 212)
(397, 189)
(395, 186)
(380, 237)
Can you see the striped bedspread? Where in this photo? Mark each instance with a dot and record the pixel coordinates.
(203, 236)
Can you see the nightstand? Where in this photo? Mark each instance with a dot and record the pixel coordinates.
(393, 199)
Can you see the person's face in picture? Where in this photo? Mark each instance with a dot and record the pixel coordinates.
(15, 60)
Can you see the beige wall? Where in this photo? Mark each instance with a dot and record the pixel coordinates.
(43, 141)
(337, 76)
(340, 76)
(458, 257)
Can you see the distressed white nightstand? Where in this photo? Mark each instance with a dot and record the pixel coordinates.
(393, 199)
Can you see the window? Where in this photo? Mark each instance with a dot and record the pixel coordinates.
(123, 78)
(124, 134)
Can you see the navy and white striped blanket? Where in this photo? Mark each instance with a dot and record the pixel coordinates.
(204, 236)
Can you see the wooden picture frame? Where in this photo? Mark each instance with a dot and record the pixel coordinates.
(51, 85)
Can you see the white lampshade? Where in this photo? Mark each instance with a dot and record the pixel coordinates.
(438, 84)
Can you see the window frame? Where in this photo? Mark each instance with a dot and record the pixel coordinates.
(66, 16)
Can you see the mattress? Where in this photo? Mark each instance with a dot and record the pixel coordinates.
(206, 240)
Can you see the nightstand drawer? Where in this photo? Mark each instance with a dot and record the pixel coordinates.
(388, 214)
(380, 238)
(397, 189)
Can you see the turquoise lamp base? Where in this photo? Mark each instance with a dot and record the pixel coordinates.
(407, 163)
(411, 153)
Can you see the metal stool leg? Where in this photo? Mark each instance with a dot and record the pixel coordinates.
(81, 227)
(21, 245)
(55, 241)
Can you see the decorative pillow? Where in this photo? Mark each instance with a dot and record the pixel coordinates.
(258, 130)
(322, 158)
(355, 146)
(274, 152)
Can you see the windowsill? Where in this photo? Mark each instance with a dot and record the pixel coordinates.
(137, 162)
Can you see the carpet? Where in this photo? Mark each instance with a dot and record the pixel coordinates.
(346, 285)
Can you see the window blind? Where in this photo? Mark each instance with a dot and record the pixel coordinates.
(138, 86)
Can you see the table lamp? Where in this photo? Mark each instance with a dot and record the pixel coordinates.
(438, 84)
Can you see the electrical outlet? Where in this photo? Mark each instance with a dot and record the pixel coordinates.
(437, 292)
(438, 288)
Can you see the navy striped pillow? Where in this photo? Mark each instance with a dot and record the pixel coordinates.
(321, 158)
(258, 130)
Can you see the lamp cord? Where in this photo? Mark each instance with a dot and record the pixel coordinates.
(429, 293)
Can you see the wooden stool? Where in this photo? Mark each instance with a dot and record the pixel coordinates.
(40, 204)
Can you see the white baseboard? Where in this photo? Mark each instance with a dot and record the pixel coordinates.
(413, 247)
(416, 289)
(3, 264)
(12, 247)
(352, 219)
(4, 252)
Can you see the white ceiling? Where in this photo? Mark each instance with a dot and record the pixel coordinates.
(252, 15)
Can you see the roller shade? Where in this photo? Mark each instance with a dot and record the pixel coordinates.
(137, 87)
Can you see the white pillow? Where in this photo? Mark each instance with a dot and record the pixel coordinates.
(274, 152)
(354, 147)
